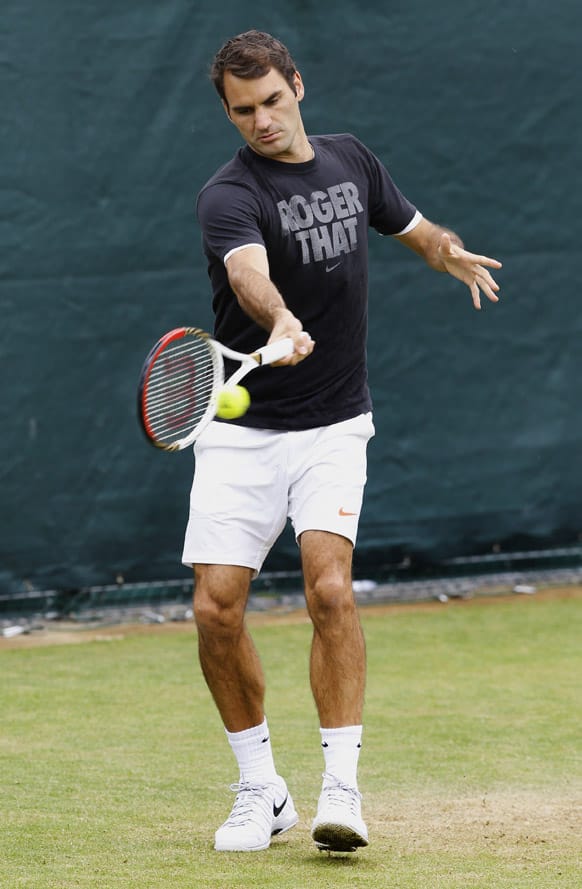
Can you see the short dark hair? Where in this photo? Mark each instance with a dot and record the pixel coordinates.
(251, 55)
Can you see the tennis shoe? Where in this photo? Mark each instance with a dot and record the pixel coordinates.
(338, 825)
(260, 811)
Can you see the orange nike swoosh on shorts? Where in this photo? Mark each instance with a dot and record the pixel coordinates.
(342, 511)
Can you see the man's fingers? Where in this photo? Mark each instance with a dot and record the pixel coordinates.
(486, 276)
(489, 293)
(474, 288)
(445, 242)
(483, 283)
(304, 346)
(472, 269)
(487, 283)
(488, 260)
(303, 343)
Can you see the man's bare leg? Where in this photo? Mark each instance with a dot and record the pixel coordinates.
(234, 675)
(338, 654)
(338, 677)
(228, 657)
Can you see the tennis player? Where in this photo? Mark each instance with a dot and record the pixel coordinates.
(285, 227)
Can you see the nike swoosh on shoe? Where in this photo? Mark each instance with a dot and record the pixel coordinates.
(278, 809)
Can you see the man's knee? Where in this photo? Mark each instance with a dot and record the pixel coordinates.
(330, 598)
(212, 617)
(219, 602)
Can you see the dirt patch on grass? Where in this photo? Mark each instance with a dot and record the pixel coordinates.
(490, 822)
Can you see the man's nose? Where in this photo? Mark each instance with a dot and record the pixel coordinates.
(262, 119)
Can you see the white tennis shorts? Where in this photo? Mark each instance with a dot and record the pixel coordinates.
(248, 482)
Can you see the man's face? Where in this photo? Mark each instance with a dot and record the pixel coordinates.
(266, 113)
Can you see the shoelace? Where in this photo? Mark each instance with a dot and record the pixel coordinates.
(336, 792)
(246, 795)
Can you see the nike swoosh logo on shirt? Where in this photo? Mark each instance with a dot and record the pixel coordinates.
(342, 511)
(278, 809)
(330, 268)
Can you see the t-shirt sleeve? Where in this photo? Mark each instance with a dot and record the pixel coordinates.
(390, 212)
(229, 216)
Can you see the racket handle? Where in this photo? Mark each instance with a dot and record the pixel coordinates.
(275, 351)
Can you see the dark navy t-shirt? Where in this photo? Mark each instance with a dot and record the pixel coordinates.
(313, 220)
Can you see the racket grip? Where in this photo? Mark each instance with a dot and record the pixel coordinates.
(275, 351)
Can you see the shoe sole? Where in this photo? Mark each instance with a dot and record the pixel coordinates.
(330, 837)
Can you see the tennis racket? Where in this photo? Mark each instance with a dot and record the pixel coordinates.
(180, 381)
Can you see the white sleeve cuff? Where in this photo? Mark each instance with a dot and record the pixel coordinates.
(412, 224)
(242, 247)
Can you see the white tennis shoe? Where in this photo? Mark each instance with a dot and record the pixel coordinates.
(260, 811)
(338, 825)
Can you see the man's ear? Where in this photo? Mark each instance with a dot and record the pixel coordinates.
(299, 88)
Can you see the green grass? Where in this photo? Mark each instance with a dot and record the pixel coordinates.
(114, 769)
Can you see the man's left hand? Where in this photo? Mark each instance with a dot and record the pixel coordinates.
(470, 269)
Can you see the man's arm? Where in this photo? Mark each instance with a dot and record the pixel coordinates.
(248, 275)
(443, 250)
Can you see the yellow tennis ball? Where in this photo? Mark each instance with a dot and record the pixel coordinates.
(232, 402)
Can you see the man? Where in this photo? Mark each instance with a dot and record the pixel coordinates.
(285, 234)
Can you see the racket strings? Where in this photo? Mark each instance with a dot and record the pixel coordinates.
(180, 388)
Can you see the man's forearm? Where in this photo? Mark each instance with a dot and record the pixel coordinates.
(425, 240)
(258, 297)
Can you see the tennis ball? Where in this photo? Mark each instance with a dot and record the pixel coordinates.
(232, 402)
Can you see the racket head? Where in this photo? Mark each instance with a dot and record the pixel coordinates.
(177, 389)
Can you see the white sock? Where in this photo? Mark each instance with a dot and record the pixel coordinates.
(341, 751)
(252, 749)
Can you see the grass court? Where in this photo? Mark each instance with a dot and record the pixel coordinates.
(114, 768)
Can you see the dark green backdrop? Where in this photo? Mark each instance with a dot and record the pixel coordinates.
(108, 129)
